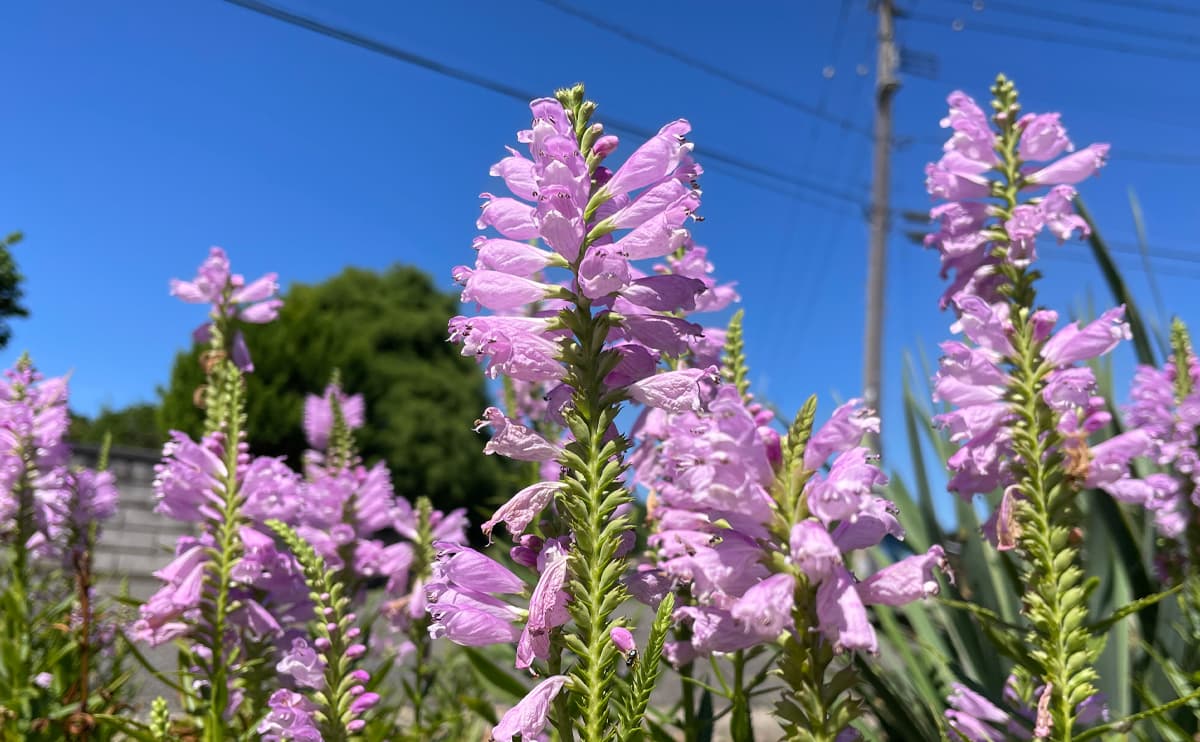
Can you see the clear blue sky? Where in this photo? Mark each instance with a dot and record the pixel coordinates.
(137, 134)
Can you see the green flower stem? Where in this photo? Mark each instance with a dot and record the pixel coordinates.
(18, 622)
(1056, 596)
(329, 603)
(82, 542)
(687, 693)
(590, 500)
(227, 553)
(809, 709)
(423, 674)
(740, 728)
(1126, 724)
(813, 707)
(562, 707)
(593, 491)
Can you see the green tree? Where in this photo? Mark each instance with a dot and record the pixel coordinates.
(136, 426)
(386, 332)
(10, 287)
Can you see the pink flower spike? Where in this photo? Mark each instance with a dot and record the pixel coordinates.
(211, 280)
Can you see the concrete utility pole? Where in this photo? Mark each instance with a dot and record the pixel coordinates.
(886, 85)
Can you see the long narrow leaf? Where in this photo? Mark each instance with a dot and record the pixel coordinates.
(1119, 289)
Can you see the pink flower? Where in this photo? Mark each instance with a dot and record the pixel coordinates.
(766, 609)
(529, 717)
(1043, 137)
(842, 615)
(1073, 168)
(524, 506)
(905, 581)
(1073, 344)
(303, 664)
(674, 391)
(513, 440)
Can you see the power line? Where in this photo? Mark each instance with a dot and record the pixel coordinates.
(1090, 22)
(1158, 7)
(805, 282)
(1182, 159)
(916, 218)
(1162, 158)
(1034, 35)
(815, 111)
(403, 55)
(1166, 253)
(1089, 260)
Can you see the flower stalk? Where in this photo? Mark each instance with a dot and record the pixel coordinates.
(1056, 599)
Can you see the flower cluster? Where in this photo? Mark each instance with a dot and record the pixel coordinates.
(46, 508)
(34, 490)
(712, 476)
(983, 243)
(325, 665)
(510, 275)
(231, 299)
(592, 338)
(341, 510)
(1022, 404)
(968, 225)
(973, 380)
(190, 486)
(1165, 406)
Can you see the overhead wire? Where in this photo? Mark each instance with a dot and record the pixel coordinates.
(1127, 29)
(816, 111)
(710, 154)
(1051, 37)
(813, 278)
(1159, 7)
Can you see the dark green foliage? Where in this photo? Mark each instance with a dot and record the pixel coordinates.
(135, 426)
(10, 288)
(386, 333)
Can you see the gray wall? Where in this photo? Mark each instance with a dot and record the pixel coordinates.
(136, 541)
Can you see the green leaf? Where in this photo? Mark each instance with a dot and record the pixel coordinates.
(1119, 289)
(1130, 608)
(497, 676)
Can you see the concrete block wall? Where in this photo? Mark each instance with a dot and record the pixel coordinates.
(136, 541)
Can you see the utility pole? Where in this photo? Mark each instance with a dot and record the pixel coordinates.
(886, 85)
